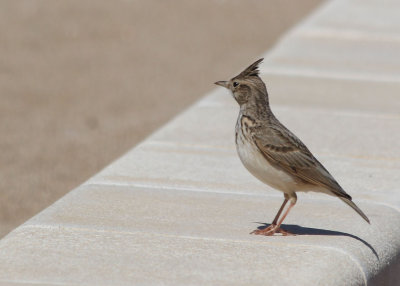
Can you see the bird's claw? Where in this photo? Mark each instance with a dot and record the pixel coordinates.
(271, 230)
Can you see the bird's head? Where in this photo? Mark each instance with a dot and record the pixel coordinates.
(247, 86)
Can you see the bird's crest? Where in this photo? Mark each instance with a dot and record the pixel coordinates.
(252, 70)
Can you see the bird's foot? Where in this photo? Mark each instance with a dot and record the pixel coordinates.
(271, 230)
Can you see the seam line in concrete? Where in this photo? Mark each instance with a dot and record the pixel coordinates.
(84, 229)
(39, 282)
(177, 188)
(231, 151)
(304, 72)
(346, 35)
(352, 112)
(355, 261)
(196, 190)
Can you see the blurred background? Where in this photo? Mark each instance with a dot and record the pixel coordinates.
(82, 82)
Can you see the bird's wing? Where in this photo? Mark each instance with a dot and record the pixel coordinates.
(283, 149)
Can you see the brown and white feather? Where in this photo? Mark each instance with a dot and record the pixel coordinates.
(271, 152)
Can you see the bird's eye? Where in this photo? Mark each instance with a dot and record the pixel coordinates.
(235, 84)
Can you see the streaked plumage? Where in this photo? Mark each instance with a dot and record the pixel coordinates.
(271, 152)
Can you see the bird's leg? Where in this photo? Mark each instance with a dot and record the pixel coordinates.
(274, 222)
(276, 228)
(280, 210)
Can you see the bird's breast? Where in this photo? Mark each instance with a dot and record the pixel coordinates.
(255, 162)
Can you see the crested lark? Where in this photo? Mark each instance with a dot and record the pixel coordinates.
(272, 153)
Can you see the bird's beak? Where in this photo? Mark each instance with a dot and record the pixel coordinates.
(222, 83)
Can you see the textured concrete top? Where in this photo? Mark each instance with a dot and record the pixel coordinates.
(178, 208)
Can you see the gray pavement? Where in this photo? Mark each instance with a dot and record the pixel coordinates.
(82, 82)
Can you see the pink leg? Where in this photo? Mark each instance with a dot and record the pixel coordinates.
(273, 224)
(278, 227)
(280, 211)
(274, 227)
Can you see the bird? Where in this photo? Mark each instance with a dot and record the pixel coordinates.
(272, 153)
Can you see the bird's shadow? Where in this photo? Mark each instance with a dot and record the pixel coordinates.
(300, 230)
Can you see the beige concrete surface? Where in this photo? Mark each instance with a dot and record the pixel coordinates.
(81, 82)
(360, 43)
(194, 236)
(151, 259)
(333, 93)
(369, 60)
(341, 139)
(371, 19)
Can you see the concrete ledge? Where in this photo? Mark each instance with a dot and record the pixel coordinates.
(162, 259)
(178, 208)
(149, 235)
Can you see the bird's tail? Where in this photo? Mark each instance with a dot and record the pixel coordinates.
(354, 206)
